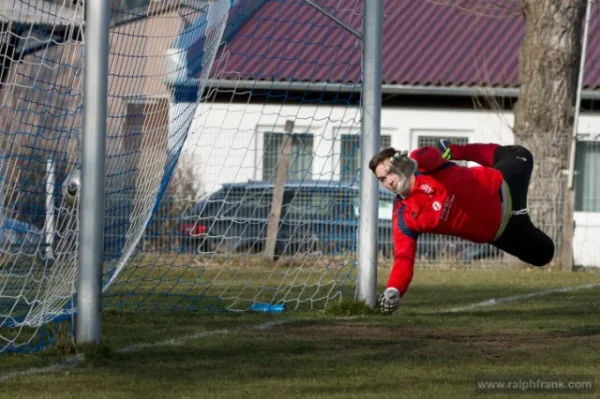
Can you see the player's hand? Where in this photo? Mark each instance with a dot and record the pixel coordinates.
(444, 147)
(402, 165)
(389, 300)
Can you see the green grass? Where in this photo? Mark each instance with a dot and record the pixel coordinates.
(188, 282)
(412, 354)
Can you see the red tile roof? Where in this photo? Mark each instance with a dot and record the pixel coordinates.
(425, 43)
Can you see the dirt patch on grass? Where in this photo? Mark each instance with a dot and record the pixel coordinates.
(368, 332)
(434, 342)
(357, 330)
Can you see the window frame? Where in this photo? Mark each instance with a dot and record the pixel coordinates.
(131, 102)
(342, 159)
(578, 205)
(261, 130)
(417, 134)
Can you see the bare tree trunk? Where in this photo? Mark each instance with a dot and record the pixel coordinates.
(549, 64)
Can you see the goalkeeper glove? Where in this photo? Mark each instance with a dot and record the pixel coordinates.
(444, 147)
(404, 167)
(389, 300)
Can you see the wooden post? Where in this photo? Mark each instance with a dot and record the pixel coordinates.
(283, 164)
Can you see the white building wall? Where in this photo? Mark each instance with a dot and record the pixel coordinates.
(586, 241)
(226, 143)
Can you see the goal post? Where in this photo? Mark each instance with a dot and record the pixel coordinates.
(369, 143)
(93, 167)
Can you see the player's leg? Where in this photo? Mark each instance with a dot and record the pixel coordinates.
(525, 241)
(516, 164)
(521, 238)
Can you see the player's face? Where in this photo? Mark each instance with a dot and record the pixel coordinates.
(389, 180)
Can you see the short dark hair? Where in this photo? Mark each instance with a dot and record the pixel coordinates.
(381, 156)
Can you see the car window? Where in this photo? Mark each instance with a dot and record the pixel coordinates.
(247, 204)
(321, 205)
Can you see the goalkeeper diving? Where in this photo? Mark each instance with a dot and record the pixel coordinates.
(483, 204)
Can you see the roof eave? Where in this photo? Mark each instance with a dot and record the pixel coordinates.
(386, 89)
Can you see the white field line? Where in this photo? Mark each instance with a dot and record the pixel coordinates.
(77, 360)
(203, 334)
(515, 298)
(70, 363)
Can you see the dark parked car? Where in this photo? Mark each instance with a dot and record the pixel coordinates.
(315, 216)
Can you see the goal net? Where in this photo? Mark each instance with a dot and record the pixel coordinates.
(232, 158)
(274, 141)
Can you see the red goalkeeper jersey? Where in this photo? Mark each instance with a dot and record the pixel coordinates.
(446, 199)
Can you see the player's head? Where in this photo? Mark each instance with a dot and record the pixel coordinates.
(398, 183)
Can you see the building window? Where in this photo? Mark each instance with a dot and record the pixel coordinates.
(433, 141)
(143, 140)
(350, 155)
(146, 125)
(300, 157)
(587, 164)
(134, 124)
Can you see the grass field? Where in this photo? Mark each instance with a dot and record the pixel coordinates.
(418, 352)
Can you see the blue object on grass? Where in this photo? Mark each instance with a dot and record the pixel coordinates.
(268, 308)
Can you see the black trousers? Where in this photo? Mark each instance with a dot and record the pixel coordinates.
(520, 237)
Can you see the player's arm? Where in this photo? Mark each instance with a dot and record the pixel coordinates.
(429, 159)
(405, 248)
(483, 154)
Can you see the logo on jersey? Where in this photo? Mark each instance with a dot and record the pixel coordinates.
(426, 188)
(436, 206)
(447, 206)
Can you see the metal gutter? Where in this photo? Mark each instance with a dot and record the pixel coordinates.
(386, 89)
